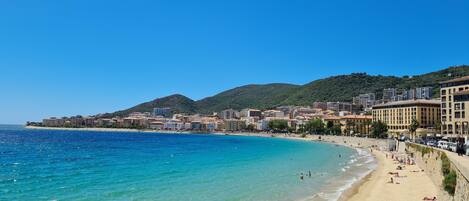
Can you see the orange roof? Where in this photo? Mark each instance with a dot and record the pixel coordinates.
(357, 117)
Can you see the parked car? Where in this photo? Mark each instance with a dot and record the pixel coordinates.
(420, 141)
(432, 143)
(442, 144)
(452, 146)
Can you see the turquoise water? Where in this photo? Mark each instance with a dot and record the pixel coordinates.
(87, 165)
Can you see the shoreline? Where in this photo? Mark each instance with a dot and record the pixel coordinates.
(350, 142)
(370, 186)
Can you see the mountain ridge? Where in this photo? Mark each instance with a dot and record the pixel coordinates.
(265, 96)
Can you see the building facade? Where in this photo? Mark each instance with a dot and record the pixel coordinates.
(162, 111)
(389, 94)
(400, 114)
(229, 114)
(454, 95)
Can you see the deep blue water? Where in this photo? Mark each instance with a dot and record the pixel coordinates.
(88, 165)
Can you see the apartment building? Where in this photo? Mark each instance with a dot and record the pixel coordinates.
(399, 115)
(454, 96)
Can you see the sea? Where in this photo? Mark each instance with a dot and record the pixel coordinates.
(96, 165)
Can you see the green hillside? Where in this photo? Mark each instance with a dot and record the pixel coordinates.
(178, 103)
(255, 96)
(336, 88)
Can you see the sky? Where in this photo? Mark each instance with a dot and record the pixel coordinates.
(62, 58)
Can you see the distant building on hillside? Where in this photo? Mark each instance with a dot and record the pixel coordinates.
(424, 93)
(409, 94)
(388, 94)
(274, 113)
(250, 113)
(339, 106)
(365, 100)
(164, 111)
(228, 114)
(320, 105)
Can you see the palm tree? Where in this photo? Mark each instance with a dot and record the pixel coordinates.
(414, 125)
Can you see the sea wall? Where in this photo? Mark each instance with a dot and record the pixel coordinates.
(442, 170)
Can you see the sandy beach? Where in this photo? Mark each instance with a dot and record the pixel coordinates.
(412, 183)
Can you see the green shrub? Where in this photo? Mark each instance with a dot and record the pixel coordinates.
(445, 164)
(449, 182)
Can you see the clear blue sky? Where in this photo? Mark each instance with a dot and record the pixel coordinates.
(85, 57)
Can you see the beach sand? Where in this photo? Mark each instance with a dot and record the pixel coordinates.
(376, 187)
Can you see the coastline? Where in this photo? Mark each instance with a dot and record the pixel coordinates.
(344, 191)
(372, 186)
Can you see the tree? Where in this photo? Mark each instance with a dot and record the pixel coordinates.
(329, 126)
(413, 127)
(278, 125)
(251, 127)
(379, 129)
(315, 126)
(336, 130)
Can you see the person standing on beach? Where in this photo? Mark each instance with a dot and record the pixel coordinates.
(309, 173)
(301, 176)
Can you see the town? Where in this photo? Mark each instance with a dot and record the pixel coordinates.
(400, 113)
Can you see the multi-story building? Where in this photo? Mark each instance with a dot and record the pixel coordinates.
(274, 113)
(388, 94)
(339, 106)
(250, 113)
(365, 100)
(234, 125)
(454, 95)
(320, 105)
(409, 94)
(400, 114)
(423, 93)
(162, 111)
(228, 114)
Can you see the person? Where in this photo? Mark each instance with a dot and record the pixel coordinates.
(429, 199)
(301, 176)
(340, 156)
(392, 180)
(309, 173)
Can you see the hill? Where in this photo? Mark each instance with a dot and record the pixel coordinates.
(255, 96)
(178, 103)
(335, 88)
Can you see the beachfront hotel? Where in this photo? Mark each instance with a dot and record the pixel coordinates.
(454, 99)
(398, 116)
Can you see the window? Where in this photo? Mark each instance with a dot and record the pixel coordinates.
(443, 92)
(457, 115)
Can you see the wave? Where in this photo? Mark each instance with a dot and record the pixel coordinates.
(360, 165)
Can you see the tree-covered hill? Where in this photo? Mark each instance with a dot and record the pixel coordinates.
(335, 88)
(178, 103)
(254, 96)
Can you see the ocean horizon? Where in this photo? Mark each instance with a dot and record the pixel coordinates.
(94, 165)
